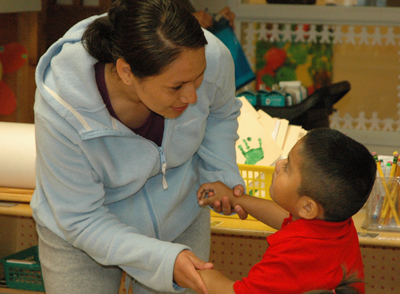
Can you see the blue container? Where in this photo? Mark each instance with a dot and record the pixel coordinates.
(243, 72)
(273, 98)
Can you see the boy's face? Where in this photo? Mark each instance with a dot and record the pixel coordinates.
(286, 181)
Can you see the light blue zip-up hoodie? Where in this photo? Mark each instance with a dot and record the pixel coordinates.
(115, 195)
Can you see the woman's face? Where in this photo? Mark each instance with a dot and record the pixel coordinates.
(171, 92)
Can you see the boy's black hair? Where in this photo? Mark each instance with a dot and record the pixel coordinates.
(337, 172)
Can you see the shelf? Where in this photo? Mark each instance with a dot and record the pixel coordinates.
(17, 210)
(15, 202)
(17, 291)
(7, 6)
(15, 195)
(316, 14)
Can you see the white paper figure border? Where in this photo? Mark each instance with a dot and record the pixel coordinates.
(331, 34)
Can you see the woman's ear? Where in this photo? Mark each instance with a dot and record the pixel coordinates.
(309, 209)
(124, 71)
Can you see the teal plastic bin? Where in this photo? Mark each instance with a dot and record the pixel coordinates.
(23, 271)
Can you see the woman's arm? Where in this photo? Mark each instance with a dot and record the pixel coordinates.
(216, 282)
(217, 98)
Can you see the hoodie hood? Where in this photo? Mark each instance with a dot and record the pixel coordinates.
(64, 79)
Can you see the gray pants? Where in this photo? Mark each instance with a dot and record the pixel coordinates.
(68, 270)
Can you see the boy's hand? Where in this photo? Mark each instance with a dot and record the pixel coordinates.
(224, 204)
(215, 192)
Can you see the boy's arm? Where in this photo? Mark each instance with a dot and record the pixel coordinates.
(216, 282)
(265, 211)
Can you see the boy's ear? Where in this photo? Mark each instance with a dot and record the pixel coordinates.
(309, 209)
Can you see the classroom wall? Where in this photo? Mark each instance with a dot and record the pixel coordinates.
(370, 64)
(367, 56)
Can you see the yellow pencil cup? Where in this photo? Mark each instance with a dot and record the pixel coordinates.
(383, 205)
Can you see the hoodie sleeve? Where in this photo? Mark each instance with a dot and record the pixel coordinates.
(217, 150)
(69, 187)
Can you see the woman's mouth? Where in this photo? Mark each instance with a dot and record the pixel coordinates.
(180, 109)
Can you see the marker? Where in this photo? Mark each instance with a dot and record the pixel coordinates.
(378, 207)
(388, 170)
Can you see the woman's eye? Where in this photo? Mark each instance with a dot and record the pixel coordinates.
(177, 88)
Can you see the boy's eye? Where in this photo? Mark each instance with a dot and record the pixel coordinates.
(284, 167)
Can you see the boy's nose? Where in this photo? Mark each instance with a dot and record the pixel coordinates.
(278, 165)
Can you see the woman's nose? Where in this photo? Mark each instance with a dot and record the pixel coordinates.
(189, 94)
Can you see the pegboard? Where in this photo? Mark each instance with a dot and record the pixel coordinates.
(381, 268)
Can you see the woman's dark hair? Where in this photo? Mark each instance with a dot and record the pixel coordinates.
(337, 172)
(147, 34)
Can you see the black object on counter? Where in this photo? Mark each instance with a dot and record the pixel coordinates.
(313, 112)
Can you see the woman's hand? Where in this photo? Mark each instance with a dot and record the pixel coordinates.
(185, 271)
(225, 207)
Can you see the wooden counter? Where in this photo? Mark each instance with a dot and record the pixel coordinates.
(16, 202)
(235, 226)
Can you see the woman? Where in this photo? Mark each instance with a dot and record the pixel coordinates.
(134, 110)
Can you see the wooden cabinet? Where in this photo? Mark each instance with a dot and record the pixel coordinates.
(36, 29)
(22, 27)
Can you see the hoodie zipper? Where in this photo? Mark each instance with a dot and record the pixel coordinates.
(163, 167)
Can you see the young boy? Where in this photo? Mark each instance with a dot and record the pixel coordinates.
(325, 180)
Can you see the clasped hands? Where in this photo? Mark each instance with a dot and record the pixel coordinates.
(187, 263)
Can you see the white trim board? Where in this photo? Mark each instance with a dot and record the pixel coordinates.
(317, 14)
(384, 143)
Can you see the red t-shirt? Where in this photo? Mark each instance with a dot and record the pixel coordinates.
(305, 255)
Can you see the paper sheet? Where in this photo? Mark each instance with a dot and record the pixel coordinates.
(292, 136)
(255, 146)
(17, 155)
